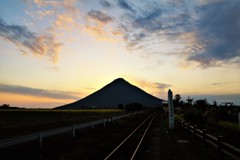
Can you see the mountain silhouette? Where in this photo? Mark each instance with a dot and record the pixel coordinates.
(117, 92)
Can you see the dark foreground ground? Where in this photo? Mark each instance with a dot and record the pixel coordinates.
(95, 144)
(175, 144)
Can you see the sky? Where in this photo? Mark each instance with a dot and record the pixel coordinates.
(54, 52)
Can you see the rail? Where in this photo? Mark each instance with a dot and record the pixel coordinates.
(223, 148)
(111, 155)
(40, 135)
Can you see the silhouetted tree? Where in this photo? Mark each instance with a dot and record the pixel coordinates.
(177, 100)
(120, 106)
(201, 104)
(5, 106)
(134, 107)
(214, 103)
(190, 101)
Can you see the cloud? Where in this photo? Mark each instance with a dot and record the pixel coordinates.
(153, 26)
(100, 32)
(97, 24)
(157, 89)
(150, 21)
(124, 5)
(40, 45)
(66, 22)
(47, 2)
(162, 86)
(99, 16)
(221, 83)
(105, 3)
(94, 30)
(205, 32)
(218, 30)
(45, 13)
(37, 92)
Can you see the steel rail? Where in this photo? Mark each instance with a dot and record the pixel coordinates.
(109, 155)
(140, 142)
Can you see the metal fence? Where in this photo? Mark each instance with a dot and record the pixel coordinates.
(40, 135)
(218, 144)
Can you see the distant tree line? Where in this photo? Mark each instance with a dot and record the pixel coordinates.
(131, 107)
(200, 104)
(7, 106)
(197, 111)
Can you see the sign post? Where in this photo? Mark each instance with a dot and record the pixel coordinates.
(239, 117)
(170, 109)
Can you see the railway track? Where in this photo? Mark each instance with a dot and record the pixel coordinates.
(129, 148)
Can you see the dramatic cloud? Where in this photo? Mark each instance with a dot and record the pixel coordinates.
(202, 31)
(218, 29)
(99, 16)
(205, 32)
(37, 92)
(27, 41)
(156, 25)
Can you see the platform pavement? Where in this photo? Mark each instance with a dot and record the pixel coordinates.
(174, 144)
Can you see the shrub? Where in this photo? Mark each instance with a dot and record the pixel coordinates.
(134, 107)
(195, 118)
(229, 125)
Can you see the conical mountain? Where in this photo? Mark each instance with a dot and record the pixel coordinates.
(117, 92)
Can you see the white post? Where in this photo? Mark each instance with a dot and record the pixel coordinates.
(170, 109)
(239, 117)
(40, 140)
(73, 129)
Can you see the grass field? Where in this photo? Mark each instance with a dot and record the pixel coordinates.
(25, 121)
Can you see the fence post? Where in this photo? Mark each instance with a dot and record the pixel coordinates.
(110, 121)
(40, 140)
(194, 132)
(40, 146)
(220, 147)
(104, 123)
(188, 128)
(182, 124)
(204, 138)
(73, 130)
(164, 119)
(92, 126)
